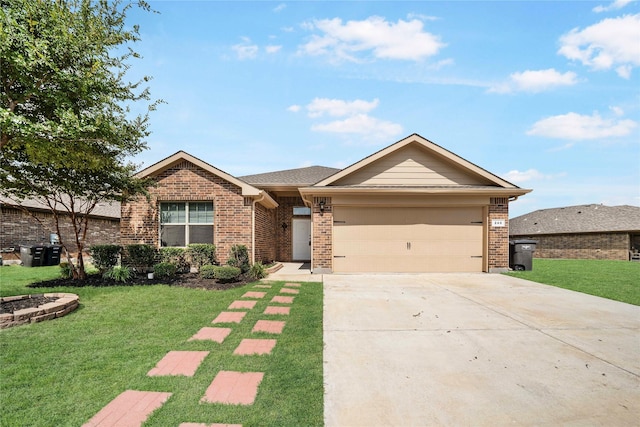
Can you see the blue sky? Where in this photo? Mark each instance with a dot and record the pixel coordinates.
(545, 94)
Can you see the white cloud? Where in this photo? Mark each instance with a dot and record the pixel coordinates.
(280, 7)
(361, 124)
(609, 43)
(516, 176)
(273, 48)
(375, 36)
(575, 126)
(294, 108)
(535, 81)
(617, 4)
(245, 50)
(338, 107)
(617, 110)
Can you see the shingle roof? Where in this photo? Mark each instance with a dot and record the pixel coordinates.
(102, 210)
(577, 219)
(297, 177)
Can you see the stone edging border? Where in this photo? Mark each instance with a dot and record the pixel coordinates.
(64, 305)
(275, 268)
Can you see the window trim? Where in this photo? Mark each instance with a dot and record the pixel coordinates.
(186, 223)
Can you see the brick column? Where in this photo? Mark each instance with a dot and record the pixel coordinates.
(322, 224)
(498, 236)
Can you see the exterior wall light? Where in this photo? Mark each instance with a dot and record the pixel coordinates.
(321, 204)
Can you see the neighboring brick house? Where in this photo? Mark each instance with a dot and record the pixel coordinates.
(19, 228)
(582, 232)
(410, 207)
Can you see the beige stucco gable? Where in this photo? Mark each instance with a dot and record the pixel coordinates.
(414, 162)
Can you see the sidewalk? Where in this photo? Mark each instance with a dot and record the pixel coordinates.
(296, 272)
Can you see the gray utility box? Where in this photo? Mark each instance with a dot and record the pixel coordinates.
(32, 256)
(521, 254)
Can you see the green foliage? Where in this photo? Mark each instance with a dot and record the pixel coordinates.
(66, 272)
(67, 128)
(239, 257)
(226, 273)
(120, 273)
(175, 256)
(105, 256)
(164, 270)
(258, 271)
(141, 257)
(208, 271)
(201, 254)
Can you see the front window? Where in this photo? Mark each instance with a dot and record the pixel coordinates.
(182, 223)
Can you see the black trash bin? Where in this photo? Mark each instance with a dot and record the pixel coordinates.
(32, 256)
(521, 254)
(52, 255)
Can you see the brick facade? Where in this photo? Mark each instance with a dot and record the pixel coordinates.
(284, 235)
(614, 246)
(498, 245)
(322, 233)
(19, 228)
(185, 182)
(265, 234)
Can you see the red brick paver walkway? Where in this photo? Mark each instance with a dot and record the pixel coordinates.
(282, 300)
(208, 425)
(289, 291)
(229, 317)
(242, 305)
(214, 334)
(252, 294)
(250, 346)
(292, 285)
(130, 409)
(277, 310)
(233, 388)
(263, 286)
(269, 326)
(179, 363)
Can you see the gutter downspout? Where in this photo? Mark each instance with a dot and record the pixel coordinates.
(253, 226)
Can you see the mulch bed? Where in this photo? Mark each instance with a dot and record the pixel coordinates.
(34, 301)
(186, 280)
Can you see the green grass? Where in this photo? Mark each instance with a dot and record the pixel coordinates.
(616, 280)
(62, 372)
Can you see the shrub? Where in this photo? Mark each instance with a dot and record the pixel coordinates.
(164, 270)
(239, 257)
(175, 256)
(208, 271)
(65, 270)
(258, 271)
(141, 257)
(119, 274)
(105, 256)
(226, 273)
(201, 254)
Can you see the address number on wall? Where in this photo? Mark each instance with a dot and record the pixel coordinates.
(498, 223)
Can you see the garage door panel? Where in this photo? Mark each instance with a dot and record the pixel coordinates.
(374, 239)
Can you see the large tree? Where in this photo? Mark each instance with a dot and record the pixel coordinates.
(67, 128)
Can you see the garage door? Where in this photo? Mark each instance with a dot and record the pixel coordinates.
(377, 239)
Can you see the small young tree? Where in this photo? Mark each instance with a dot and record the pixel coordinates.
(66, 125)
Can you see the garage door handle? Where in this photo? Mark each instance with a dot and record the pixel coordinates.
(339, 256)
(408, 246)
(476, 256)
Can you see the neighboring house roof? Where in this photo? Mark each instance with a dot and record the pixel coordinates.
(294, 177)
(102, 210)
(247, 190)
(577, 219)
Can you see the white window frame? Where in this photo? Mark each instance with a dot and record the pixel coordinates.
(186, 224)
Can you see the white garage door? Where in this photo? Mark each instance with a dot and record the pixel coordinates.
(375, 239)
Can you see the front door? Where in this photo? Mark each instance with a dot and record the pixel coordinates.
(301, 239)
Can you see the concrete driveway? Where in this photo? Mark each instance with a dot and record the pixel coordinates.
(476, 349)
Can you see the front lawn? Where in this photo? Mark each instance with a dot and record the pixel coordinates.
(616, 280)
(62, 372)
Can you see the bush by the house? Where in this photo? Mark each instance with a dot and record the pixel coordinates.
(120, 273)
(65, 270)
(141, 257)
(201, 254)
(239, 257)
(105, 256)
(207, 271)
(164, 270)
(226, 273)
(258, 271)
(175, 256)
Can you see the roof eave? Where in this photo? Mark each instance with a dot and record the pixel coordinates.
(498, 191)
